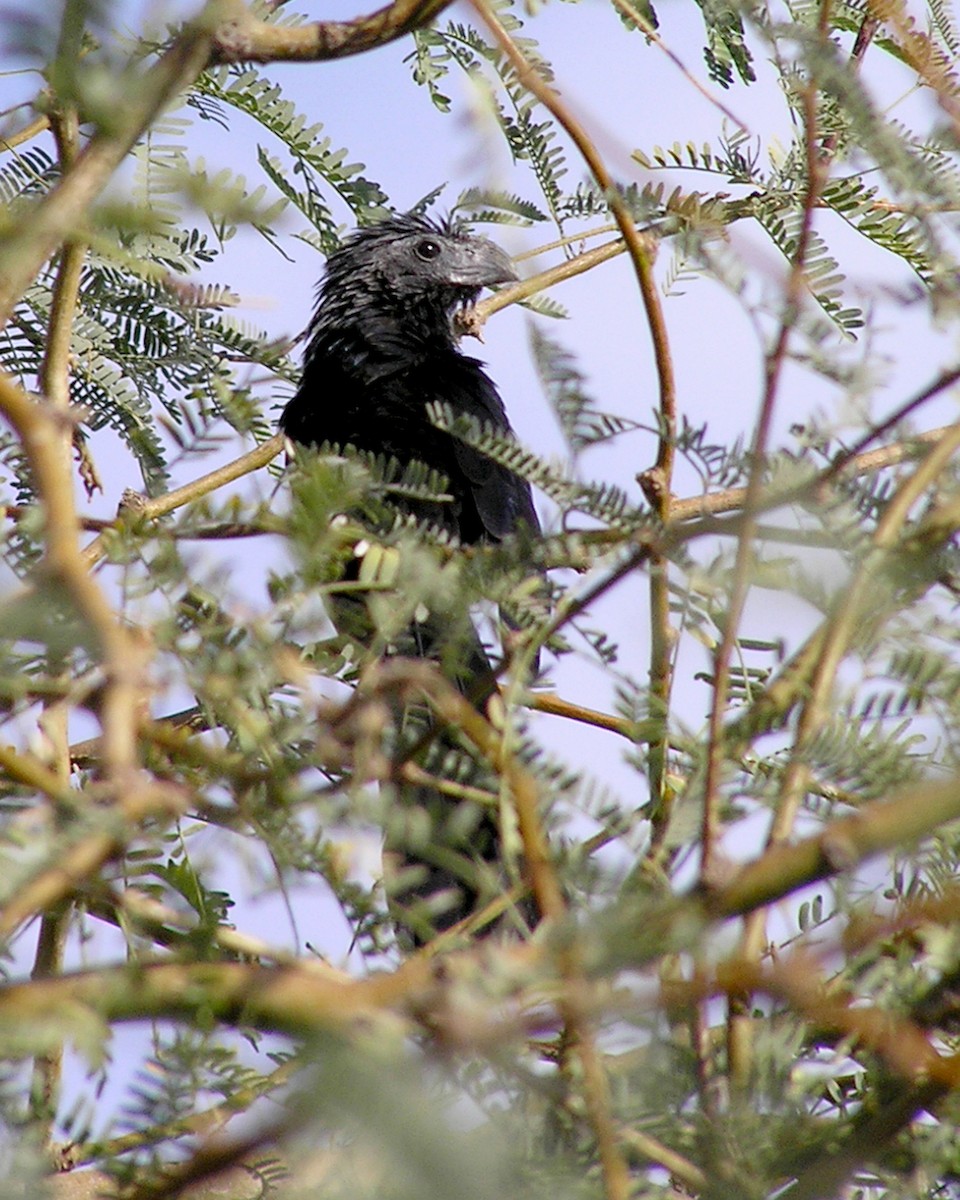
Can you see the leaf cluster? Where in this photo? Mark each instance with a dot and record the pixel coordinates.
(799, 597)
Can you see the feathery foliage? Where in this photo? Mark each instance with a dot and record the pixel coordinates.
(730, 785)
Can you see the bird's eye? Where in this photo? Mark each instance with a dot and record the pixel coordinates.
(427, 249)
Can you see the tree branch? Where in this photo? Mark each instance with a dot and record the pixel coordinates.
(58, 214)
(245, 39)
(159, 506)
(910, 813)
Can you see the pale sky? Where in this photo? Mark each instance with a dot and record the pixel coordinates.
(628, 95)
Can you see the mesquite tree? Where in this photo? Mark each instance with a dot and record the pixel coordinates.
(745, 980)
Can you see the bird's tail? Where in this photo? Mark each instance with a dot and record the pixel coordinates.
(444, 847)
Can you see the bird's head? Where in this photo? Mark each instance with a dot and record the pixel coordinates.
(412, 270)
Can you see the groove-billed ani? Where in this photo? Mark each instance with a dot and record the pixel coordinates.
(382, 346)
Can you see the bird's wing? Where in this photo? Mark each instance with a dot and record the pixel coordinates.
(503, 500)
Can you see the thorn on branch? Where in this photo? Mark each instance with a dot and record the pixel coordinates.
(469, 322)
(89, 475)
(839, 851)
(132, 503)
(655, 487)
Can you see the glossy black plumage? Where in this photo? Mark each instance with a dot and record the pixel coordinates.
(381, 348)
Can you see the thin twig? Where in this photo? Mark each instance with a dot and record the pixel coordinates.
(79, 860)
(638, 246)
(38, 428)
(58, 213)
(31, 130)
(209, 1121)
(846, 614)
(454, 709)
(817, 166)
(567, 269)
(159, 506)
(300, 999)
(654, 1151)
(635, 14)
(568, 239)
(796, 285)
(636, 731)
(911, 812)
(831, 642)
(246, 39)
(25, 768)
(48, 1067)
(54, 380)
(658, 480)
(855, 453)
(849, 463)
(922, 54)
(18, 512)
(865, 35)
(167, 927)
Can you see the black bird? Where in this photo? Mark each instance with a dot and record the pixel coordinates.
(382, 346)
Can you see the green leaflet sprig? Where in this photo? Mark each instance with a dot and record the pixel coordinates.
(603, 502)
(315, 157)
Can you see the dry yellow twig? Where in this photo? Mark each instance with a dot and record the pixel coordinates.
(56, 216)
(159, 506)
(245, 39)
